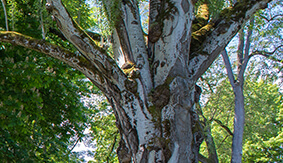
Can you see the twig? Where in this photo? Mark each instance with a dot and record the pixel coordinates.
(206, 82)
(268, 54)
(223, 141)
(223, 126)
(75, 143)
(272, 18)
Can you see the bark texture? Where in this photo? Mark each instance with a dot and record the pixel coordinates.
(150, 85)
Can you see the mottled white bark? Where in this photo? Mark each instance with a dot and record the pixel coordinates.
(128, 39)
(171, 50)
(104, 64)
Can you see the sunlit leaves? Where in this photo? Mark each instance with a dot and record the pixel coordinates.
(40, 106)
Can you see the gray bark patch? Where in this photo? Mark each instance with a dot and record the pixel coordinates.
(185, 5)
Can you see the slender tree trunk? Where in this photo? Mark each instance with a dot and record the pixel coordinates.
(239, 116)
(41, 20)
(237, 85)
(239, 122)
(210, 145)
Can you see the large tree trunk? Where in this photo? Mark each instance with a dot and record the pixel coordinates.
(156, 117)
(162, 131)
(151, 86)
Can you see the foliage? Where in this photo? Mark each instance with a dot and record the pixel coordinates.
(264, 136)
(31, 88)
(215, 6)
(266, 39)
(40, 101)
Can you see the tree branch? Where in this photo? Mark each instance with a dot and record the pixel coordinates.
(112, 147)
(224, 126)
(125, 18)
(93, 35)
(224, 30)
(117, 17)
(128, 37)
(77, 141)
(42, 46)
(223, 141)
(268, 54)
(272, 18)
(5, 13)
(106, 66)
(211, 149)
(207, 83)
(246, 57)
(228, 68)
(240, 51)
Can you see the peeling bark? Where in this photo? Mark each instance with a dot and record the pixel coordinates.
(128, 40)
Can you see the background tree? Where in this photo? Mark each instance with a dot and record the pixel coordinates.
(237, 83)
(150, 85)
(263, 106)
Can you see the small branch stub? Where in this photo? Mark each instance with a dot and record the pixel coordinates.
(49, 7)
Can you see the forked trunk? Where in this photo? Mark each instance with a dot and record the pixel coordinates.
(167, 130)
(155, 114)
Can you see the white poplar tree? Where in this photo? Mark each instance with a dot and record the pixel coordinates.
(150, 83)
